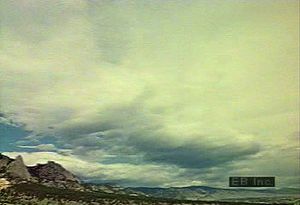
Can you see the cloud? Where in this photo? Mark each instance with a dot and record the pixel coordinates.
(193, 85)
(42, 147)
(6, 121)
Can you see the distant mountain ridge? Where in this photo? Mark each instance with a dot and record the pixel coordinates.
(213, 194)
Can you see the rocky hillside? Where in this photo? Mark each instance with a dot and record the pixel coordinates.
(53, 174)
(49, 174)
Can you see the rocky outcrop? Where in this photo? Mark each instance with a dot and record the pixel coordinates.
(17, 170)
(49, 174)
(14, 169)
(4, 161)
(53, 174)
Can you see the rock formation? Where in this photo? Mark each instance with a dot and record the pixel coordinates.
(53, 173)
(4, 161)
(49, 174)
(17, 170)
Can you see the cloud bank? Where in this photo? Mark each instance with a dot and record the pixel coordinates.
(195, 86)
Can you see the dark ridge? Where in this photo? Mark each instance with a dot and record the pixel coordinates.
(4, 162)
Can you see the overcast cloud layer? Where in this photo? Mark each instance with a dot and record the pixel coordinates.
(153, 93)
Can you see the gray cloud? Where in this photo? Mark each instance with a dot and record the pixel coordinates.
(131, 136)
(193, 156)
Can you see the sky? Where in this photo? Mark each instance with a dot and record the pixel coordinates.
(152, 93)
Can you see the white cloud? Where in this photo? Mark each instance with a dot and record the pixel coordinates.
(42, 147)
(6, 121)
